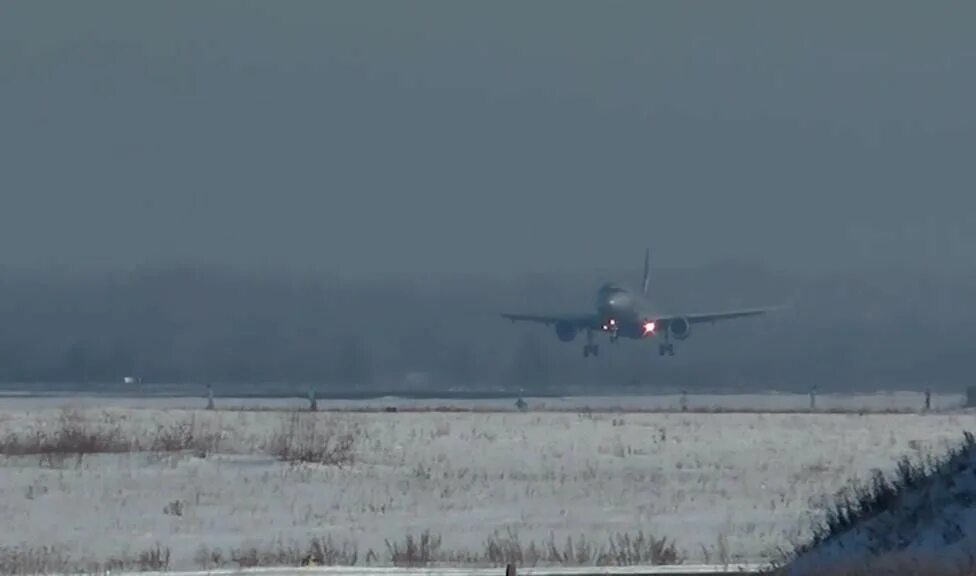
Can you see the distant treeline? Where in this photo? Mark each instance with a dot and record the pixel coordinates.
(857, 330)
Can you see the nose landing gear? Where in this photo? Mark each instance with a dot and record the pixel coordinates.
(612, 329)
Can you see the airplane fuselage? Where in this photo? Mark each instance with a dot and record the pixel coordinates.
(623, 312)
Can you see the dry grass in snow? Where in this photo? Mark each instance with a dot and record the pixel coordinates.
(213, 488)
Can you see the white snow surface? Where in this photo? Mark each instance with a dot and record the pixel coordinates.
(722, 486)
(929, 528)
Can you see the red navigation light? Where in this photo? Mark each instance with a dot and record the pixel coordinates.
(648, 328)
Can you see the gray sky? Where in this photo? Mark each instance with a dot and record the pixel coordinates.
(493, 136)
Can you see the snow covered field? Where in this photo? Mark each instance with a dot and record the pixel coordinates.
(721, 486)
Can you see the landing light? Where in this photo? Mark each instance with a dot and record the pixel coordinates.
(648, 327)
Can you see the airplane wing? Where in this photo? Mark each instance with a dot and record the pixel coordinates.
(714, 317)
(579, 321)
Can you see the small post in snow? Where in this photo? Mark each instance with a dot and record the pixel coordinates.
(510, 570)
(210, 400)
(928, 399)
(813, 397)
(312, 404)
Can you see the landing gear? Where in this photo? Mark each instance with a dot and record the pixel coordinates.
(612, 329)
(590, 349)
(663, 349)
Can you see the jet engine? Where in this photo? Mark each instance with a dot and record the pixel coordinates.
(565, 331)
(680, 328)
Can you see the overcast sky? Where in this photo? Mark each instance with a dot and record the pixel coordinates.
(441, 137)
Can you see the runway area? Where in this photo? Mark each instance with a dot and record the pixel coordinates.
(290, 399)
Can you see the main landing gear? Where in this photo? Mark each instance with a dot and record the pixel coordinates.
(663, 349)
(590, 349)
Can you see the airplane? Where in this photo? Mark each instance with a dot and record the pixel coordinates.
(623, 312)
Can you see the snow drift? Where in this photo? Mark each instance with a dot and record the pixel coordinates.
(919, 520)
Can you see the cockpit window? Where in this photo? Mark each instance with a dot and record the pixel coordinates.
(610, 288)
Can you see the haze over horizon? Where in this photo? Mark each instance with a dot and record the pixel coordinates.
(439, 138)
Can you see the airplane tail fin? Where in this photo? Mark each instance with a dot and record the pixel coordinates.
(645, 281)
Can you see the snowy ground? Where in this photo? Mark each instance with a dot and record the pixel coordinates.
(921, 520)
(733, 486)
